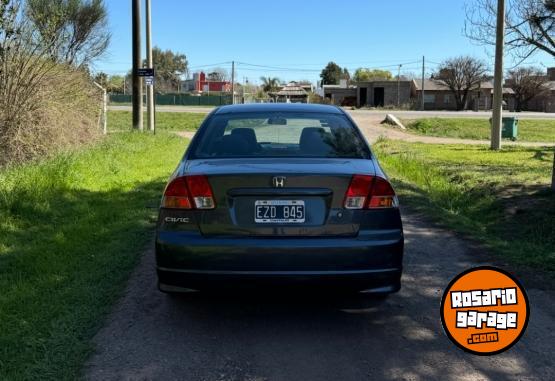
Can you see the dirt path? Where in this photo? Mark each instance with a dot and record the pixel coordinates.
(370, 125)
(151, 336)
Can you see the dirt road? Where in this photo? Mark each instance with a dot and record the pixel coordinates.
(370, 124)
(151, 336)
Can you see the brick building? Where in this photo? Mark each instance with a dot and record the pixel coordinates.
(199, 83)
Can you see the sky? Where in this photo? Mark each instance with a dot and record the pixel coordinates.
(295, 39)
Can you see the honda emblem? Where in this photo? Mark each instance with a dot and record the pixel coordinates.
(278, 181)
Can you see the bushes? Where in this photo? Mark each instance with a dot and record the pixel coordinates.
(57, 108)
(45, 105)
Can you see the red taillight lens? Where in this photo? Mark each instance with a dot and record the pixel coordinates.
(176, 195)
(201, 192)
(358, 191)
(188, 192)
(370, 192)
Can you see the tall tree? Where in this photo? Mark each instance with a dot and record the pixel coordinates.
(530, 25)
(270, 84)
(527, 83)
(346, 75)
(169, 68)
(462, 75)
(331, 74)
(365, 75)
(218, 74)
(75, 31)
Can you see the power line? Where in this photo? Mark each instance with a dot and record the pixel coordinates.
(210, 65)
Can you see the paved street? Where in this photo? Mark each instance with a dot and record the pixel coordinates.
(378, 114)
(151, 336)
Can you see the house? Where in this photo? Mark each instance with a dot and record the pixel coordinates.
(438, 96)
(383, 93)
(291, 93)
(200, 83)
(343, 94)
(545, 102)
(377, 93)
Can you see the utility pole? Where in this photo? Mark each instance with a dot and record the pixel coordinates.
(150, 87)
(137, 84)
(423, 81)
(399, 87)
(232, 82)
(497, 117)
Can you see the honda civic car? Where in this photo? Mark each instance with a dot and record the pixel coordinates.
(271, 195)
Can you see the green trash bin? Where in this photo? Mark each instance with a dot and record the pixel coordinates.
(509, 129)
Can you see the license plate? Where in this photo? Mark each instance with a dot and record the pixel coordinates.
(279, 211)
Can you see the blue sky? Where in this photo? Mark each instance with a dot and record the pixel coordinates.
(300, 36)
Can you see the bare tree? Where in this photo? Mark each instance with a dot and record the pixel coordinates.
(462, 75)
(530, 25)
(218, 74)
(527, 83)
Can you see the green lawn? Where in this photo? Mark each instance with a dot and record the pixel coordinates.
(528, 130)
(71, 230)
(501, 198)
(176, 121)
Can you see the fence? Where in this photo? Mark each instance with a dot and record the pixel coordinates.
(178, 99)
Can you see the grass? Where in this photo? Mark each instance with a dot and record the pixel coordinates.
(71, 230)
(479, 129)
(165, 121)
(500, 198)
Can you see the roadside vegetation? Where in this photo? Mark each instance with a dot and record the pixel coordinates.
(47, 101)
(72, 228)
(529, 130)
(165, 121)
(500, 198)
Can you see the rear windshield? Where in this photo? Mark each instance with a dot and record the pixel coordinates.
(279, 135)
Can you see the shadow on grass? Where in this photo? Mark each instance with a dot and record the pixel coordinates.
(64, 259)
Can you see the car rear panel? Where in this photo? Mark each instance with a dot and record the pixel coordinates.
(238, 183)
(197, 248)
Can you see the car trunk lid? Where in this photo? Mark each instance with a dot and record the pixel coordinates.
(239, 185)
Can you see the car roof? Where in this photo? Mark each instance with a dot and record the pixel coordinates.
(278, 107)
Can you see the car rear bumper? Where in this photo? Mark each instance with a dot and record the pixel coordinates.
(187, 260)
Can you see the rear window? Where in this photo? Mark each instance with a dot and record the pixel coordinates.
(279, 135)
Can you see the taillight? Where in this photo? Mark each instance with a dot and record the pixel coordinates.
(370, 192)
(358, 191)
(201, 192)
(382, 195)
(189, 192)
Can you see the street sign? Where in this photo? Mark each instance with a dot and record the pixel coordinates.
(149, 81)
(145, 72)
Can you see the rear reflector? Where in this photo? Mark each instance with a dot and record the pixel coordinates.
(189, 192)
(370, 192)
